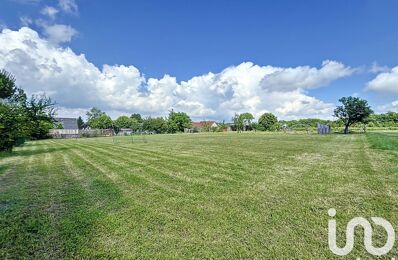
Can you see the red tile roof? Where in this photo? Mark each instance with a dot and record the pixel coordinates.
(202, 124)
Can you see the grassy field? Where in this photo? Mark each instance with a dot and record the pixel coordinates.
(221, 195)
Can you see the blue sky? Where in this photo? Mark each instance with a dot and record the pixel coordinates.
(185, 39)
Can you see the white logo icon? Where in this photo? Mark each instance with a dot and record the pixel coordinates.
(364, 223)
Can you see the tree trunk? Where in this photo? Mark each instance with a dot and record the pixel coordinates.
(346, 129)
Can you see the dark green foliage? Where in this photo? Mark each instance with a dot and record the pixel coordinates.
(98, 119)
(238, 123)
(123, 122)
(137, 117)
(40, 111)
(157, 125)
(13, 127)
(246, 119)
(353, 110)
(311, 122)
(178, 121)
(126, 122)
(20, 117)
(268, 122)
(103, 121)
(389, 119)
(94, 113)
(242, 122)
(80, 122)
(58, 126)
(7, 84)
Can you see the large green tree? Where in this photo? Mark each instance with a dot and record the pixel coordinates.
(178, 121)
(246, 119)
(98, 119)
(20, 117)
(13, 126)
(7, 85)
(268, 122)
(80, 122)
(127, 122)
(353, 110)
(137, 117)
(13, 118)
(101, 122)
(93, 114)
(157, 125)
(40, 111)
(238, 122)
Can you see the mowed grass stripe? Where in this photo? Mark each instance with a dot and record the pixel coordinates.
(248, 203)
(140, 194)
(163, 215)
(174, 168)
(221, 166)
(25, 230)
(117, 170)
(108, 200)
(154, 157)
(90, 165)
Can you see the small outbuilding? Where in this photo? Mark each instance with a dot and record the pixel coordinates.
(125, 131)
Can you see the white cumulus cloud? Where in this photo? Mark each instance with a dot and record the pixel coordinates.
(305, 77)
(59, 33)
(385, 82)
(40, 65)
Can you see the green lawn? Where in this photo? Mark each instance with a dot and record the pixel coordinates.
(251, 195)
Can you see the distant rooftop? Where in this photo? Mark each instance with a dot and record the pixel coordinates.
(67, 123)
(202, 124)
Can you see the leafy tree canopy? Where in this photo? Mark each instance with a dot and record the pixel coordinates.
(137, 117)
(80, 122)
(353, 110)
(7, 84)
(101, 122)
(20, 117)
(40, 110)
(238, 122)
(127, 122)
(246, 118)
(243, 121)
(94, 113)
(178, 121)
(268, 122)
(157, 125)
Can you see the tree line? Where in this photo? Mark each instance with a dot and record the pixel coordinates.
(351, 112)
(175, 122)
(23, 118)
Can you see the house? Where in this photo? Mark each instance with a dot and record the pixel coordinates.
(202, 126)
(67, 123)
(69, 129)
